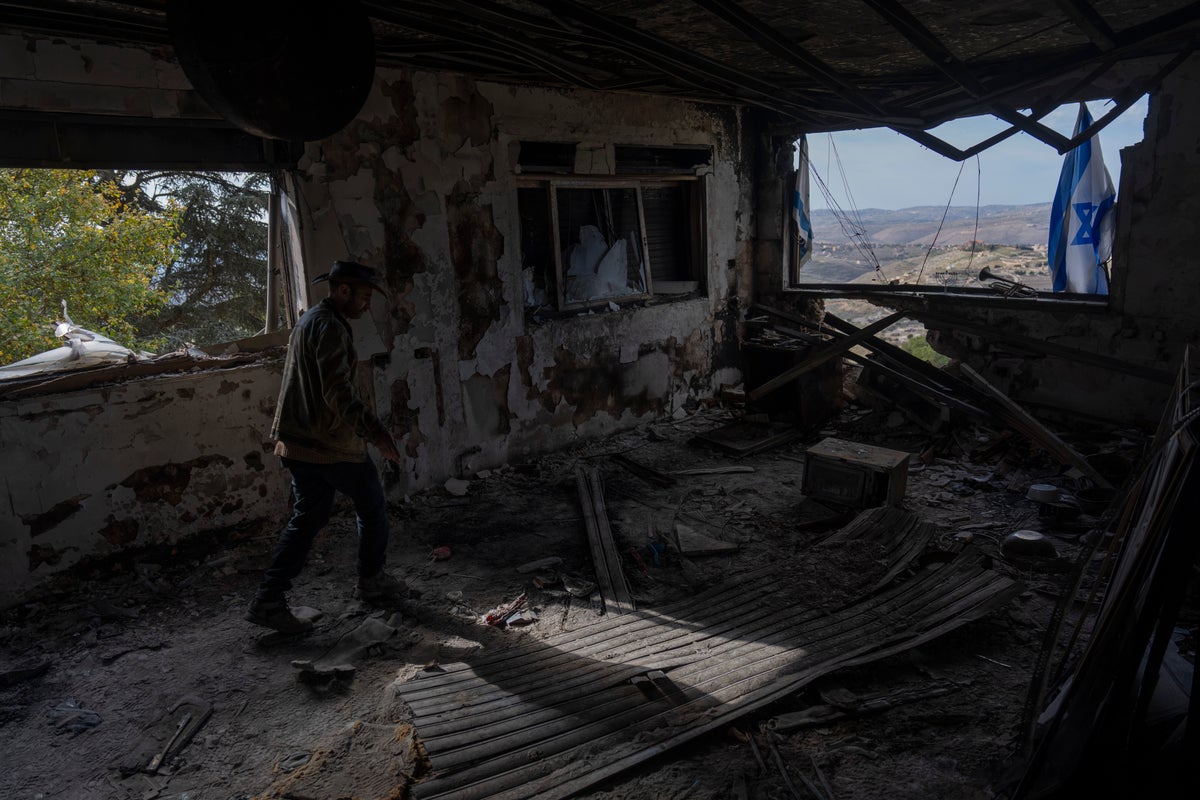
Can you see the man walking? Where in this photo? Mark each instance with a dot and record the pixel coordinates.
(321, 429)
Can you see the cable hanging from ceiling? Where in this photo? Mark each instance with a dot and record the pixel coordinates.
(850, 222)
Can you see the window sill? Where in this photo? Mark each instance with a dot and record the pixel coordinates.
(231, 354)
(544, 314)
(960, 296)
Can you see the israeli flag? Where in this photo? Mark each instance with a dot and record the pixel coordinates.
(802, 226)
(1081, 221)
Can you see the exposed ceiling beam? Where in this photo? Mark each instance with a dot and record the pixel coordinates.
(500, 43)
(772, 42)
(1089, 21)
(678, 61)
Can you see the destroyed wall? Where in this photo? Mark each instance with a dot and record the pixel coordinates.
(1155, 290)
(91, 472)
(423, 184)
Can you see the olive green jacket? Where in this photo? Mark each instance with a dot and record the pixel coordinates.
(319, 407)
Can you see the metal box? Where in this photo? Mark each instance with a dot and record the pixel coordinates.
(853, 474)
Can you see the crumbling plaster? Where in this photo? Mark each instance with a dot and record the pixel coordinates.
(422, 185)
(91, 472)
(1155, 290)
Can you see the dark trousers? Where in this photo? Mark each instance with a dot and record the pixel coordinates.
(313, 487)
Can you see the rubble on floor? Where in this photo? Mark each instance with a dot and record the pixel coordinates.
(331, 714)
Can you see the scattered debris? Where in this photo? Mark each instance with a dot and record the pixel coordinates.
(841, 704)
(498, 616)
(1028, 544)
(694, 543)
(728, 470)
(855, 474)
(323, 674)
(457, 487)
(746, 436)
(70, 717)
(648, 474)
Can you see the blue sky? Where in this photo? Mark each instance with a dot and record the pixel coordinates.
(886, 170)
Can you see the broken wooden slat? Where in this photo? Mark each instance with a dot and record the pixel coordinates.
(737, 674)
(899, 358)
(1020, 419)
(607, 562)
(830, 351)
(729, 470)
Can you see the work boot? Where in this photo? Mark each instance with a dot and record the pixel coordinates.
(274, 613)
(382, 587)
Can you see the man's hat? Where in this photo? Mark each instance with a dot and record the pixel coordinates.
(352, 272)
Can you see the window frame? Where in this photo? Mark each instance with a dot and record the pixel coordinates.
(695, 208)
(556, 236)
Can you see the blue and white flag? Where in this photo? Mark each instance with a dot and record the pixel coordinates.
(1081, 221)
(802, 229)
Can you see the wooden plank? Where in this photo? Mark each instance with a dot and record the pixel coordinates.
(1020, 419)
(743, 675)
(607, 562)
(830, 351)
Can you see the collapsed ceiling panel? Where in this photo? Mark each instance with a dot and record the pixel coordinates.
(819, 65)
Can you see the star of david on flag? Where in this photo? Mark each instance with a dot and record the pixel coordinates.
(1081, 219)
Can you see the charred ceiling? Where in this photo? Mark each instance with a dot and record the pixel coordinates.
(818, 65)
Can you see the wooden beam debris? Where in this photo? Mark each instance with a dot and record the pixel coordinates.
(830, 351)
(1021, 421)
(613, 588)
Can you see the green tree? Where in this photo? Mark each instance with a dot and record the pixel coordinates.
(216, 285)
(73, 235)
(919, 346)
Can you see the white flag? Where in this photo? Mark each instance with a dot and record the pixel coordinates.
(1081, 220)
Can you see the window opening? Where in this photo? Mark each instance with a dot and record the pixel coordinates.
(586, 243)
(134, 263)
(601, 239)
(890, 216)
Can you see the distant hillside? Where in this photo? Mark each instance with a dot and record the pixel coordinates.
(1013, 225)
(1012, 238)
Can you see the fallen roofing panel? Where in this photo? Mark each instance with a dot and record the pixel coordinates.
(547, 719)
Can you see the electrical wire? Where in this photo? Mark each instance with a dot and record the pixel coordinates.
(851, 223)
(945, 211)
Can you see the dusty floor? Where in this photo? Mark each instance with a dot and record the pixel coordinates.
(135, 640)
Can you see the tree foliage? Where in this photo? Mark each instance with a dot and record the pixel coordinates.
(154, 260)
(920, 347)
(216, 285)
(72, 235)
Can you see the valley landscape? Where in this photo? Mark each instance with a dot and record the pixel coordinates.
(910, 249)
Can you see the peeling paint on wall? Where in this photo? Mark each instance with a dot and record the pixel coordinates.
(485, 405)
(166, 483)
(475, 249)
(138, 471)
(58, 513)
